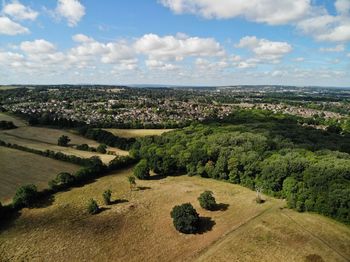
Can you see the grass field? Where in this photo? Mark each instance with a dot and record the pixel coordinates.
(139, 228)
(6, 117)
(19, 168)
(42, 138)
(128, 133)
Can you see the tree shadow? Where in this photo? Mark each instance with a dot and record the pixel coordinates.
(156, 177)
(102, 209)
(8, 218)
(44, 201)
(205, 224)
(141, 188)
(221, 207)
(119, 201)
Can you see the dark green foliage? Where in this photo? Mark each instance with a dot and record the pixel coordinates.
(93, 207)
(86, 147)
(207, 200)
(107, 196)
(25, 196)
(101, 149)
(62, 181)
(301, 164)
(63, 140)
(105, 137)
(141, 170)
(185, 218)
(5, 125)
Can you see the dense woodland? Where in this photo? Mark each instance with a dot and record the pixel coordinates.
(308, 167)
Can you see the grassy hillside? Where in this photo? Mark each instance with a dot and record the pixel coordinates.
(128, 133)
(17, 121)
(139, 227)
(19, 168)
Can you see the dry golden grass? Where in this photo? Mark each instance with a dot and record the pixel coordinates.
(142, 230)
(128, 133)
(41, 138)
(19, 168)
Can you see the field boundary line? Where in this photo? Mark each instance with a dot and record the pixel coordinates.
(304, 229)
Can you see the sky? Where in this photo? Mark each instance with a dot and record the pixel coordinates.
(175, 42)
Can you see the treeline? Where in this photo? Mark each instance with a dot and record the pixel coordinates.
(275, 154)
(5, 125)
(29, 196)
(50, 154)
(105, 137)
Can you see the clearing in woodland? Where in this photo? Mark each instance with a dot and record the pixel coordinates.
(138, 226)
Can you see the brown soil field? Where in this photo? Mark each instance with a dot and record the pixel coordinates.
(138, 226)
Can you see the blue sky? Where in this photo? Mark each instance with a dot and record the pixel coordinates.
(185, 42)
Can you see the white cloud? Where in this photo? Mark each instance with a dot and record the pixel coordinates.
(265, 49)
(39, 46)
(299, 59)
(72, 10)
(326, 27)
(9, 27)
(19, 12)
(176, 47)
(337, 48)
(264, 11)
(160, 65)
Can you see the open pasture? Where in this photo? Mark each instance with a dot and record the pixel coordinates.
(18, 168)
(138, 226)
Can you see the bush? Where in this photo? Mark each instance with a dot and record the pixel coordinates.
(63, 140)
(141, 170)
(62, 180)
(102, 149)
(207, 201)
(185, 218)
(132, 182)
(107, 197)
(25, 196)
(93, 207)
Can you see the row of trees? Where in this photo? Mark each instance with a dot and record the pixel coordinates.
(260, 153)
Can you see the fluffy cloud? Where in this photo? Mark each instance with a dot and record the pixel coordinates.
(72, 10)
(264, 11)
(19, 12)
(337, 48)
(9, 27)
(176, 47)
(325, 27)
(264, 49)
(39, 46)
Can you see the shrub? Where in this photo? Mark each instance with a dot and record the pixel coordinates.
(93, 207)
(102, 149)
(141, 170)
(132, 182)
(62, 180)
(107, 197)
(63, 140)
(185, 218)
(207, 201)
(25, 196)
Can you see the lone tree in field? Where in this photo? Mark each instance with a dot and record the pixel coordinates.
(185, 218)
(63, 140)
(258, 198)
(93, 207)
(207, 201)
(102, 148)
(141, 170)
(132, 182)
(107, 197)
